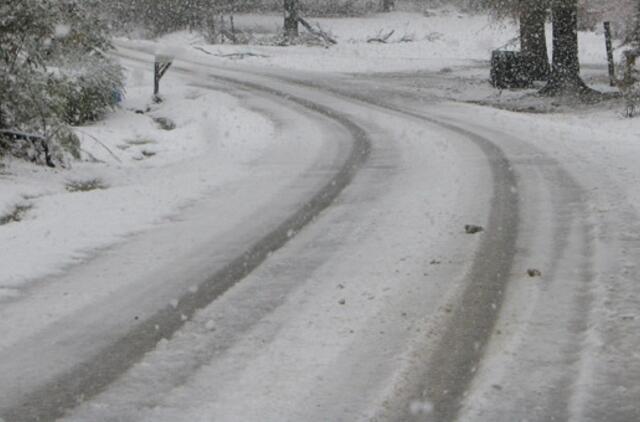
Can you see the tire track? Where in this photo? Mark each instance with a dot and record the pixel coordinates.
(450, 369)
(91, 377)
(451, 366)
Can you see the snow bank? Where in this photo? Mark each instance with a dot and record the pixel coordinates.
(136, 175)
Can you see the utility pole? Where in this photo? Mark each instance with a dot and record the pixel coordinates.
(291, 16)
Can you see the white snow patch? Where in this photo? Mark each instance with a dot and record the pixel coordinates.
(62, 30)
(418, 408)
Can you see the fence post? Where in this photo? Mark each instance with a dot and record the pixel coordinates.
(160, 67)
(612, 67)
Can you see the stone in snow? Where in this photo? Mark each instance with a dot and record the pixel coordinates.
(532, 272)
(472, 229)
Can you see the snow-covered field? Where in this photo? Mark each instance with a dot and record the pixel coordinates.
(417, 43)
(440, 39)
(445, 52)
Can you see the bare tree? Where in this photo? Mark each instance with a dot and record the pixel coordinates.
(291, 18)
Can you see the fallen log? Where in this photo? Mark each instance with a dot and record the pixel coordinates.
(39, 143)
(380, 38)
(317, 31)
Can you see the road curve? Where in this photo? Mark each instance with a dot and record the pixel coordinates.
(447, 325)
(449, 367)
(88, 377)
(562, 348)
(548, 336)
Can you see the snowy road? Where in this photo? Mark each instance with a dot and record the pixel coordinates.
(336, 281)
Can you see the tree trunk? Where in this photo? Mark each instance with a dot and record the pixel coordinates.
(291, 19)
(533, 39)
(388, 5)
(565, 69)
(634, 37)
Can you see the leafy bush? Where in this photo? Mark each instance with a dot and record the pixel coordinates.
(66, 142)
(53, 72)
(87, 89)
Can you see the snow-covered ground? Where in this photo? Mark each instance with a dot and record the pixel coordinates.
(134, 171)
(333, 303)
(596, 148)
(417, 43)
(448, 50)
(352, 293)
(441, 40)
(599, 151)
(134, 175)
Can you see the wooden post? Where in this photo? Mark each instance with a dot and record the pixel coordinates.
(160, 67)
(156, 79)
(612, 66)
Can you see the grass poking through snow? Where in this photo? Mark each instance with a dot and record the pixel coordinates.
(141, 141)
(16, 215)
(86, 185)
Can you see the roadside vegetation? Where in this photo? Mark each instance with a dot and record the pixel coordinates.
(55, 72)
(15, 215)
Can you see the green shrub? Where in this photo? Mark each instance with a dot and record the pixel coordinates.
(88, 89)
(53, 73)
(65, 142)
